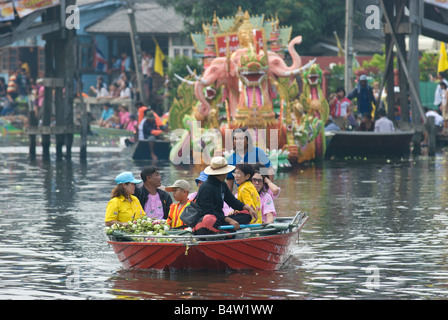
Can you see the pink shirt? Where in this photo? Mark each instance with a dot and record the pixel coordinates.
(154, 207)
(124, 116)
(132, 125)
(40, 94)
(191, 196)
(267, 205)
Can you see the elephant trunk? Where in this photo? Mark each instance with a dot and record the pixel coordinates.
(204, 107)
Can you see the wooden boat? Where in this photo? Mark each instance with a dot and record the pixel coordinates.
(8, 128)
(141, 150)
(262, 248)
(111, 131)
(368, 144)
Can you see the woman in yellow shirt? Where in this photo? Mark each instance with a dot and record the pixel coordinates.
(247, 193)
(123, 207)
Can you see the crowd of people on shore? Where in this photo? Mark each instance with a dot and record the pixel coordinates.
(20, 87)
(344, 115)
(252, 203)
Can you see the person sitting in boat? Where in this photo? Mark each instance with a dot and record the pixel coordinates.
(114, 120)
(123, 112)
(367, 124)
(180, 190)
(199, 181)
(247, 193)
(151, 131)
(268, 212)
(330, 125)
(383, 124)
(211, 196)
(245, 152)
(123, 206)
(106, 114)
(340, 109)
(155, 201)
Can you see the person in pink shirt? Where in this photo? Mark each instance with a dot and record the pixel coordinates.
(132, 123)
(124, 116)
(199, 181)
(268, 212)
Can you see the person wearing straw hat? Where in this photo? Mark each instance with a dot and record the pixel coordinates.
(123, 207)
(211, 197)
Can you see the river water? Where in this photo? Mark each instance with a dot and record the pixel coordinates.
(378, 229)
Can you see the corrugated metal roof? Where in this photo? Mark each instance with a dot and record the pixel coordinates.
(150, 18)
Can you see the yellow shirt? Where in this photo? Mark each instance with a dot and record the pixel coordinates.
(120, 209)
(248, 194)
(174, 215)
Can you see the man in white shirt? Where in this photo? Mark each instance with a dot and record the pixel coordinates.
(438, 121)
(438, 118)
(383, 124)
(438, 94)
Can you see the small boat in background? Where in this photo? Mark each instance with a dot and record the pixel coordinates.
(111, 131)
(265, 247)
(141, 150)
(10, 127)
(368, 144)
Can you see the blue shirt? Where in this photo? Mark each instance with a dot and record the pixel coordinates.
(256, 155)
(106, 114)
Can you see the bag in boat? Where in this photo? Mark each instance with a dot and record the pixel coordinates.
(191, 214)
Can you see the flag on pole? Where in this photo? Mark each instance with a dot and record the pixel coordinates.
(158, 59)
(341, 52)
(99, 61)
(443, 59)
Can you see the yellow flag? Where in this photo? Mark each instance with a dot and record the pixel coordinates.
(443, 60)
(158, 59)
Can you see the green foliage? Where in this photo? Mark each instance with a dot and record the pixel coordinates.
(336, 77)
(428, 65)
(310, 18)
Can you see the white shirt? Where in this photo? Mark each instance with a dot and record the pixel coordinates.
(125, 93)
(384, 125)
(141, 136)
(438, 118)
(438, 95)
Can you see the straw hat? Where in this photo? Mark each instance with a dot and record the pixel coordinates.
(218, 166)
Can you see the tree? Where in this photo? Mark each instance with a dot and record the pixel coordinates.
(310, 18)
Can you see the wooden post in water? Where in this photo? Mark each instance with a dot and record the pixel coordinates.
(58, 83)
(69, 67)
(431, 127)
(58, 98)
(48, 97)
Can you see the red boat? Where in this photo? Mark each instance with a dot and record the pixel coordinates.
(261, 248)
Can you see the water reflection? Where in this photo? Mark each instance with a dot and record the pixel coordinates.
(377, 230)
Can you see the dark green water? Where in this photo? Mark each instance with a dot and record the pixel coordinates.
(378, 229)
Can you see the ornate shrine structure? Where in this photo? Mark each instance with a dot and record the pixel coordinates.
(247, 83)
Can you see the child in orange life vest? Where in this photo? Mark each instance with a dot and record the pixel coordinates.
(180, 190)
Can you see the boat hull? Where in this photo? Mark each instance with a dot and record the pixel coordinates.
(141, 150)
(369, 144)
(258, 253)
